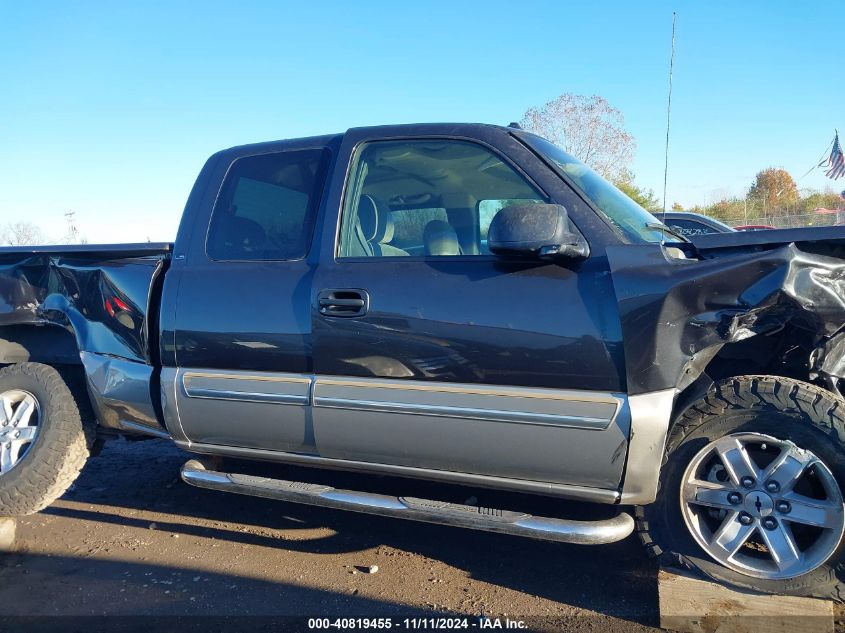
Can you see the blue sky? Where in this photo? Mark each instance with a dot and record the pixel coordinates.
(110, 109)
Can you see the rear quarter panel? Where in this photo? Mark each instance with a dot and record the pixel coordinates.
(95, 306)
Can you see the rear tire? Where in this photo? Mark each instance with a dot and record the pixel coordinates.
(683, 532)
(43, 440)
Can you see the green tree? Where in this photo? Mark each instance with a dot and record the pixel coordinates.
(642, 196)
(813, 200)
(677, 206)
(729, 210)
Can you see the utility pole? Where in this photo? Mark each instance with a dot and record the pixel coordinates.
(73, 231)
(669, 113)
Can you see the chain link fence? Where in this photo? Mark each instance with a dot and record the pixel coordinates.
(741, 214)
(792, 221)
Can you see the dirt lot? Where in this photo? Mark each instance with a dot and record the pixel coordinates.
(132, 539)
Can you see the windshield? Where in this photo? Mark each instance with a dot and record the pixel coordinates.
(635, 222)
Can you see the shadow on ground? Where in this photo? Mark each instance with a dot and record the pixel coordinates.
(615, 580)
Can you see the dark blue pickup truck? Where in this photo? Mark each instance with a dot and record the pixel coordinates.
(457, 303)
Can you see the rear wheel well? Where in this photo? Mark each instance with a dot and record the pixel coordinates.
(47, 344)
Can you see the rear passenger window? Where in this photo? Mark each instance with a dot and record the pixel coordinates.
(426, 198)
(266, 207)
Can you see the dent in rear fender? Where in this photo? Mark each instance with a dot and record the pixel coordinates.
(102, 298)
(120, 393)
(677, 314)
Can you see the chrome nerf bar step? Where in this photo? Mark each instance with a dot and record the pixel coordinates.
(466, 516)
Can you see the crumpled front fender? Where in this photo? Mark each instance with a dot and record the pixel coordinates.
(676, 314)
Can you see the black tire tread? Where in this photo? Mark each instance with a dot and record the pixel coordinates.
(44, 480)
(747, 392)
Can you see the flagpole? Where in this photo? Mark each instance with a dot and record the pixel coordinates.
(669, 113)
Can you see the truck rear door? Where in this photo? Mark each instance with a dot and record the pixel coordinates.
(242, 329)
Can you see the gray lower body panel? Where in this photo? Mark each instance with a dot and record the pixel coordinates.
(651, 415)
(550, 435)
(560, 442)
(120, 394)
(564, 491)
(249, 409)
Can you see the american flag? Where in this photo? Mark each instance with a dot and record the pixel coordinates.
(836, 161)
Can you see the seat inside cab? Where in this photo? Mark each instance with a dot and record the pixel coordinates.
(427, 198)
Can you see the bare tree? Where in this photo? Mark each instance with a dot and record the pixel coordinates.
(21, 234)
(589, 128)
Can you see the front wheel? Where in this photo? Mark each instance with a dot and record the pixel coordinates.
(43, 440)
(751, 489)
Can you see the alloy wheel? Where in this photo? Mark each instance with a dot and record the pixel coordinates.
(762, 506)
(20, 416)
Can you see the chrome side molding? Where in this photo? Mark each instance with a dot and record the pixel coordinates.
(262, 387)
(562, 408)
(428, 511)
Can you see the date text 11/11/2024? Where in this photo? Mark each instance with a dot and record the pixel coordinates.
(419, 623)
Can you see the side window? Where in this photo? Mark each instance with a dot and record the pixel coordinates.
(426, 198)
(266, 207)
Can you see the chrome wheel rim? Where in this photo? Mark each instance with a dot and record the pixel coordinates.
(20, 417)
(762, 506)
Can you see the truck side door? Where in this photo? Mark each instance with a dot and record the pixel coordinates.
(242, 332)
(432, 353)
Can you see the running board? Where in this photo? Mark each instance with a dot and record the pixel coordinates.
(428, 511)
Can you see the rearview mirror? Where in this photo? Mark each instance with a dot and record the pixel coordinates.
(536, 230)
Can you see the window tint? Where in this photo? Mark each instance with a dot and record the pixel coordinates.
(426, 198)
(266, 207)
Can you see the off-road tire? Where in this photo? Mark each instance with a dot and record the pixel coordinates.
(61, 447)
(781, 407)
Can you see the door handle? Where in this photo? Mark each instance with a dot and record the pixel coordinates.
(343, 302)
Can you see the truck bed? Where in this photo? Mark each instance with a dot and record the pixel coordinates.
(99, 293)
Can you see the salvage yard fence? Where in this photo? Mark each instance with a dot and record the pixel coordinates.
(791, 221)
(779, 219)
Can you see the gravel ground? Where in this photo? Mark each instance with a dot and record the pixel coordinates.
(131, 539)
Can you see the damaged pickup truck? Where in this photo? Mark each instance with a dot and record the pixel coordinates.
(462, 304)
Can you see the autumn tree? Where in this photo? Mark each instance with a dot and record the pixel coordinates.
(677, 206)
(21, 234)
(589, 128)
(774, 190)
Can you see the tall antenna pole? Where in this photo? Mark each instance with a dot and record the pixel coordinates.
(73, 232)
(669, 114)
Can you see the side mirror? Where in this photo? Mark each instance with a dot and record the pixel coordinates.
(536, 230)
